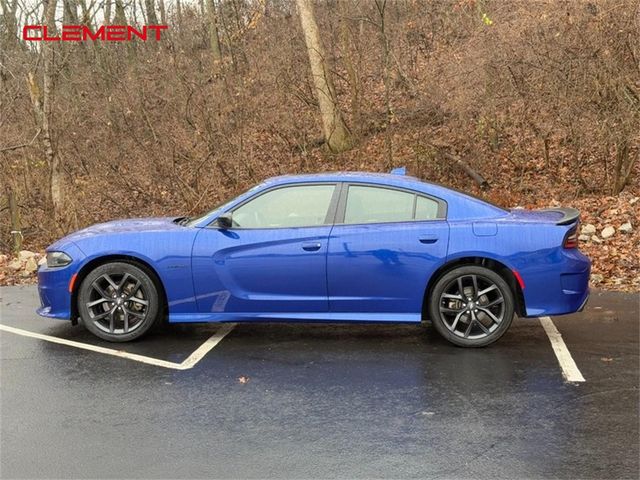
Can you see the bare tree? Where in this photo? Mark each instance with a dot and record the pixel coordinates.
(55, 179)
(381, 6)
(150, 7)
(9, 24)
(107, 12)
(623, 166)
(179, 14)
(214, 38)
(353, 74)
(121, 16)
(163, 12)
(337, 135)
(70, 14)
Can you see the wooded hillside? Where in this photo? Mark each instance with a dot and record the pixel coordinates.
(526, 103)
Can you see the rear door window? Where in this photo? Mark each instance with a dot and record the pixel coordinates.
(369, 204)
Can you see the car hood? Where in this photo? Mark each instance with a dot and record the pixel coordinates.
(133, 225)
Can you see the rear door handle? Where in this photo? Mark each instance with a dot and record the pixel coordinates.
(428, 238)
(311, 246)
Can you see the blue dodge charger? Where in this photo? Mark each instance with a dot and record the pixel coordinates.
(334, 247)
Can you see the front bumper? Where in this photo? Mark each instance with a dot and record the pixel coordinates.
(53, 286)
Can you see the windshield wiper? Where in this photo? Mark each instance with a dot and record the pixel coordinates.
(182, 220)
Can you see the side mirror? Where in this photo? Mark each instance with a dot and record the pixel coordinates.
(224, 221)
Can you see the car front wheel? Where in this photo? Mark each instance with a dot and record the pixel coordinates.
(471, 306)
(118, 302)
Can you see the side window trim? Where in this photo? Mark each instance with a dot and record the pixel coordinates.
(342, 203)
(328, 221)
(334, 204)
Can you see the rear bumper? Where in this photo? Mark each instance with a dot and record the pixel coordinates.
(560, 287)
(584, 304)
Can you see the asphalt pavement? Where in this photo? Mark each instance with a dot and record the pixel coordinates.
(310, 400)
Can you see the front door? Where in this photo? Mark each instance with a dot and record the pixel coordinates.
(273, 258)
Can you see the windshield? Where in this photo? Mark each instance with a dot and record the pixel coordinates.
(192, 221)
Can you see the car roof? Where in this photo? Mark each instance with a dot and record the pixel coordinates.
(389, 179)
(370, 177)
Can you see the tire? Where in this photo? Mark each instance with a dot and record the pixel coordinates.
(118, 302)
(471, 306)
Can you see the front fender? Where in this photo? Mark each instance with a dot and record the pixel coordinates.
(167, 254)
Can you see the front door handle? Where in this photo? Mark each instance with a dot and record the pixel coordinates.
(311, 246)
(428, 238)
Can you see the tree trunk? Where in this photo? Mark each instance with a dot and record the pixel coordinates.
(121, 16)
(337, 135)
(214, 39)
(623, 167)
(163, 12)
(10, 20)
(70, 12)
(107, 12)
(16, 229)
(55, 179)
(352, 73)
(150, 7)
(479, 179)
(386, 77)
(179, 13)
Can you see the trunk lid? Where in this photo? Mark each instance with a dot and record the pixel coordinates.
(556, 215)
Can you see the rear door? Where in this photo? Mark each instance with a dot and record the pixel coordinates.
(385, 245)
(273, 258)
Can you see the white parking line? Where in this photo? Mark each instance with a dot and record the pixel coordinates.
(569, 368)
(206, 347)
(188, 363)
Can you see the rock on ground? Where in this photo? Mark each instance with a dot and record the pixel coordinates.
(31, 265)
(15, 265)
(25, 255)
(608, 232)
(625, 228)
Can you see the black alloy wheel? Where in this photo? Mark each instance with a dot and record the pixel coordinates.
(471, 306)
(118, 302)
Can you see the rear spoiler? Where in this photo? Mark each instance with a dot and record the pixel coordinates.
(569, 215)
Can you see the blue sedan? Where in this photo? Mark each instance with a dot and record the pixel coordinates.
(334, 247)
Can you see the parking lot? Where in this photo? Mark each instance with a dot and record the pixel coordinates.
(283, 400)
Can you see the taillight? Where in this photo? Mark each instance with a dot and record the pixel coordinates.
(571, 239)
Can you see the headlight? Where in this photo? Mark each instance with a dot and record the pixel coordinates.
(57, 259)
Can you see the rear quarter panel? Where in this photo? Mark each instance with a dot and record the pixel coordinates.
(534, 250)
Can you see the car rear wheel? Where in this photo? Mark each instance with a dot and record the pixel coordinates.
(471, 306)
(118, 302)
